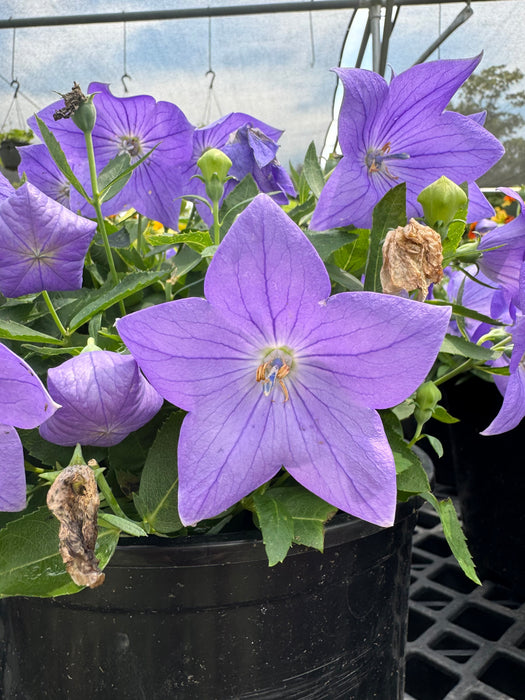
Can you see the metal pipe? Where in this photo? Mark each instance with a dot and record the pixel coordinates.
(463, 16)
(374, 14)
(189, 13)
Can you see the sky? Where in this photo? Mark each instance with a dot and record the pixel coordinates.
(273, 66)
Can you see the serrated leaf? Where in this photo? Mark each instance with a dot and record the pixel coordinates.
(185, 260)
(16, 331)
(388, 214)
(198, 240)
(443, 416)
(59, 157)
(30, 563)
(309, 514)
(312, 171)
(157, 498)
(454, 534)
(455, 345)
(412, 478)
(132, 283)
(276, 526)
(326, 242)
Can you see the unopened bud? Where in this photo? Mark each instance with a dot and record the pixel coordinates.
(427, 398)
(441, 201)
(412, 259)
(79, 108)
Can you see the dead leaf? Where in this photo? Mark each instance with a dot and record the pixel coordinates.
(73, 498)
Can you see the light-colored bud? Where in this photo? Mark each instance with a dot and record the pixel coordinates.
(412, 259)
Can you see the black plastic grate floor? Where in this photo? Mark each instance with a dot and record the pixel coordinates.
(465, 642)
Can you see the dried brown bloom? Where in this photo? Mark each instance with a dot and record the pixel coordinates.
(412, 259)
(72, 101)
(73, 498)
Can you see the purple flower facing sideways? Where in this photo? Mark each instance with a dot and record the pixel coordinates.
(24, 403)
(503, 251)
(275, 373)
(252, 147)
(42, 244)
(103, 398)
(131, 125)
(402, 133)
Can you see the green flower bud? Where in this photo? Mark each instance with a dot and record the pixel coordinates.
(468, 253)
(85, 116)
(214, 165)
(441, 201)
(427, 398)
(90, 346)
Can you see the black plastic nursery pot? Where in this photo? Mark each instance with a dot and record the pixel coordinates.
(207, 618)
(9, 155)
(490, 481)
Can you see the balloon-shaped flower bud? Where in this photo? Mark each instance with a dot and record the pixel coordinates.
(441, 201)
(104, 397)
(427, 398)
(214, 166)
(412, 259)
(79, 108)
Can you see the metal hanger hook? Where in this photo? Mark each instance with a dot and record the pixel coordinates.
(212, 73)
(16, 84)
(123, 79)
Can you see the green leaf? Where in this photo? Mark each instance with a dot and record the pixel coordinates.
(436, 444)
(312, 171)
(49, 454)
(388, 214)
(455, 345)
(30, 563)
(16, 331)
(309, 514)
(59, 157)
(458, 310)
(130, 527)
(157, 501)
(236, 201)
(352, 257)
(198, 240)
(52, 352)
(326, 242)
(185, 260)
(276, 526)
(454, 534)
(131, 284)
(412, 478)
(114, 176)
(456, 229)
(345, 279)
(443, 416)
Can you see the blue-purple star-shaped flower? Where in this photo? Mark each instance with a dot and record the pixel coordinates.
(274, 372)
(402, 133)
(24, 403)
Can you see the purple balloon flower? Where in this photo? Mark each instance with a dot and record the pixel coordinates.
(41, 170)
(273, 372)
(42, 244)
(402, 133)
(131, 125)
(24, 403)
(503, 251)
(103, 399)
(252, 147)
(6, 188)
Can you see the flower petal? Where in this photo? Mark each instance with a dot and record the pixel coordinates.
(12, 474)
(267, 274)
(188, 350)
(230, 447)
(339, 451)
(103, 398)
(379, 347)
(25, 401)
(513, 408)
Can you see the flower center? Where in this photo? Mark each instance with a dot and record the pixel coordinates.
(131, 145)
(377, 159)
(271, 372)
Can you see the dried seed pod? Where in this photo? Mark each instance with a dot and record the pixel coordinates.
(73, 498)
(412, 259)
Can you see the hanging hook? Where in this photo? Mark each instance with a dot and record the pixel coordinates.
(212, 73)
(16, 85)
(123, 79)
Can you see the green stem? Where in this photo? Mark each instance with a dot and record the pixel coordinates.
(98, 210)
(52, 311)
(216, 224)
(110, 498)
(464, 367)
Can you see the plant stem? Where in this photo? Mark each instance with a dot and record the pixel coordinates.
(216, 224)
(52, 311)
(98, 210)
(464, 367)
(110, 498)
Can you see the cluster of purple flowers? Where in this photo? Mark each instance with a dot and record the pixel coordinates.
(272, 370)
